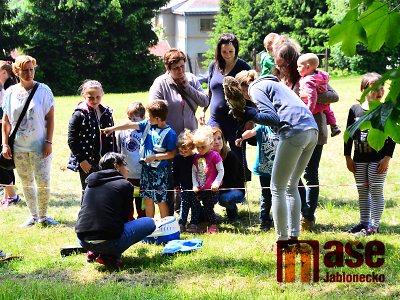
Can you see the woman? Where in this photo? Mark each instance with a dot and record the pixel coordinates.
(102, 227)
(7, 178)
(286, 57)
(232, 188)
(33, 142)
(226, 63)
(279, 107)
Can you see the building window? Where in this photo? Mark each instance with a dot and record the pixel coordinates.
(206, 24)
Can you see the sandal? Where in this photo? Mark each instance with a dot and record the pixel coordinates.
(192, 228)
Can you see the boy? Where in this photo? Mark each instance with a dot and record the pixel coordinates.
(267, 57)
(128, 143)
(314, 82)
(158, 144)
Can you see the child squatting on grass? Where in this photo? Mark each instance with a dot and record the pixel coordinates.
(368, 166)
(207, 173)
(158, 144)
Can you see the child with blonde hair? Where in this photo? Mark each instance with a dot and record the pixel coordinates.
(207, 173)
(182, 172)
(85, 139)
(312, 83)
(267, 57)
(368, 165)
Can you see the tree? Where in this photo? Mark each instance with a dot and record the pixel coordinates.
(374, 23)
(8, 39)
(104, 40)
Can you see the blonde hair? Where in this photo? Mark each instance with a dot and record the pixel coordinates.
(246, 77)
(136, 109)
(309, 59)
(21, 61)
(269, 40)
(203, 134)
(90, 84)
(225, 149)
(185, 140)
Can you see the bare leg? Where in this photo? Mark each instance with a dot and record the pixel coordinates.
(149, 207)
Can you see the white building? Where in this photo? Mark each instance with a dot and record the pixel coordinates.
(186, 25)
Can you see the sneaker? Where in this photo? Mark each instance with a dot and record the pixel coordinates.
(91, 256)
(47, 221)
(192, 228)
(265, 226)
(212, 230)
(11, 200)
(30, 222)
(365, 232)
(335, 130)
(108, 261)
(307, 225)
(356, 228)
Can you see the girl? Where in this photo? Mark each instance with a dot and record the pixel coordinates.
(207, 173)
(7, 178)
(33, 142)
(85, 139)
(182, 172)
(368, 166)
(233, 181)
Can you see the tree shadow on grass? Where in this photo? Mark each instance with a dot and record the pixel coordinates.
(64, 200)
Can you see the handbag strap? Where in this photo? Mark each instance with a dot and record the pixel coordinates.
(28, 100)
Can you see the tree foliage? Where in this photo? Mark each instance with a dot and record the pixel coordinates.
(374, 23)
(104, 40)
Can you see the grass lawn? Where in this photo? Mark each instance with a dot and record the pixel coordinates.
(234, 264)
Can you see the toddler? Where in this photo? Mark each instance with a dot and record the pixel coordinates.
(267, 58)
(182, 171)
(128, 143)
(158, 145)
(313, 82)
(207, 173)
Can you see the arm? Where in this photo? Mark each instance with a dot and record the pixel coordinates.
(47, 148)
(310, 89)
(330, 96)
(217, 182)
(196, 93)
(123, 126)
(245, 135)
(349, 144)
(6, 128)
(160, 156)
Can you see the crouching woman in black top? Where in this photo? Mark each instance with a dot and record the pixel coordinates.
(102, 227)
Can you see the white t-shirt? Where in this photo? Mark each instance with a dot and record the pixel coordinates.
(128, 142)
(31, 133)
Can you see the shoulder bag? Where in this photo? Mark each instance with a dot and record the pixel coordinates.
(5, 163)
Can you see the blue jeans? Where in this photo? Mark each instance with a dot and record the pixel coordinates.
(189, 201)
(228, 199)
(312, 181)
(292, 156)
(134, 231)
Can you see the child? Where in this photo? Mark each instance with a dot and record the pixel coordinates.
(158, 144)
(128, 143)
(267, 141)
(369, 166)
(85, 139)
(183, 163)
(313, 82)
(267, 58)
(207, 173)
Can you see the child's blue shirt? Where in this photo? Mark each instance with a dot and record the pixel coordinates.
(267, 141)
(152, 143)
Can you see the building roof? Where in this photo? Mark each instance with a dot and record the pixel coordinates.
(160, 49)
(192, 7)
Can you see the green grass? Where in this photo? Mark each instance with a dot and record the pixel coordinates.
(234, 264)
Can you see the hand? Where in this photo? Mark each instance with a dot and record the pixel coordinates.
(303, 95)
(202, 118)
(47, 149)
(85, 166)
(196, 189)
(383, 165)
(6, 151)
(107, 131)
(238, 142)
(182, 82)
(150, 158)
(351, 166)
(214, 187)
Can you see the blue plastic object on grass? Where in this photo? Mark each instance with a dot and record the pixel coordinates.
(182, 246)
